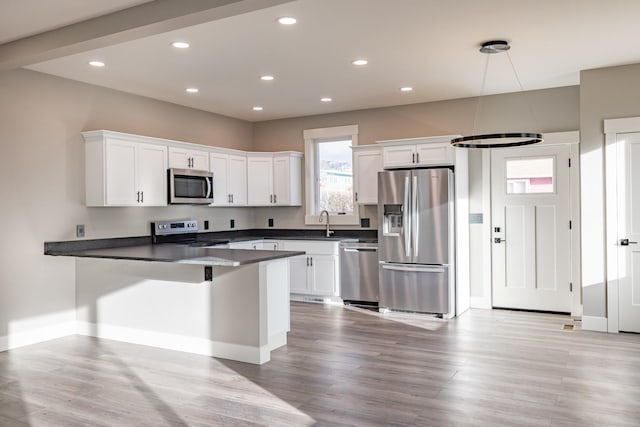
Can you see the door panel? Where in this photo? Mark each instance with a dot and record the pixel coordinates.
(431, 231)
(629, 228)
(394, 215)
(531, 255)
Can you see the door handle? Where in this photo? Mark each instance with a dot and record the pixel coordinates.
(626, 242)
(498, 240)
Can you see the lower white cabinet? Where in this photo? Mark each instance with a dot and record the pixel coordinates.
(316, 272)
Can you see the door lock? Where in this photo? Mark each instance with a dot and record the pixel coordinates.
(626, 242)
(498, 240)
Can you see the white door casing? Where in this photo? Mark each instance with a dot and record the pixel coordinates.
(531, 260)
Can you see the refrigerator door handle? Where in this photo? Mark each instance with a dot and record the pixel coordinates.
(415, 215)
(420, 269)
(408, 217)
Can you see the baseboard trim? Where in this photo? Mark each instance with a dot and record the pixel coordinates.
(593, 323)
(38, 335)
(480, 302)
(242, 353)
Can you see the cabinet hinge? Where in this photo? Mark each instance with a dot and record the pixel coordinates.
(570, 287)
(569, 162)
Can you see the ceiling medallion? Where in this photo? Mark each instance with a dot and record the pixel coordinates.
(496, 140)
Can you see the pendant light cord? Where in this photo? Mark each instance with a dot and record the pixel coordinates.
(526, 96)
(479, 103)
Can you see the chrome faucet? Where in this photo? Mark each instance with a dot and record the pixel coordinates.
(329, 232)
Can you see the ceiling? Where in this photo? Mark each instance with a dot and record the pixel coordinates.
(429, 45)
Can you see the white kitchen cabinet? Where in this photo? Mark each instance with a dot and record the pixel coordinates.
(229, 178)
(367, 162)
(417, 152)
(274, 179)
(316, 272)
(123, 171)
(184, 158)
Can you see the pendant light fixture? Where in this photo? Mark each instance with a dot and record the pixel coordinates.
(496, 140)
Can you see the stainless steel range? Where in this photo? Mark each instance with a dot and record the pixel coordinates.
(184, 231)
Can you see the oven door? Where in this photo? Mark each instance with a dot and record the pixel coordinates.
(190, 187)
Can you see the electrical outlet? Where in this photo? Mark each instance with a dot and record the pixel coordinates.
(365, 222)
(232, 223)
(208, 273)
(80, 230)
(206, 224)
(270, 222)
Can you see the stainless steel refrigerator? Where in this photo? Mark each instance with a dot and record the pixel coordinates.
(415, 240)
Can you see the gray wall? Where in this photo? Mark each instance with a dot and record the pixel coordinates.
(605, 93)
(42, 183)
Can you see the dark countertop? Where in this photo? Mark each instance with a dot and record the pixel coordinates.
(183, 254)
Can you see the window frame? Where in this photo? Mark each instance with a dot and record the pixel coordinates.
(311, 138)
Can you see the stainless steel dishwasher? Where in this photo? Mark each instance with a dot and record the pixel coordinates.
(359, 272)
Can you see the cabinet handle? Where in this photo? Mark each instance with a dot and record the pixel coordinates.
(275, 198)
(275, 246)
(413, 157)
(138, 196)
(356, 196)
(232, 198)
(270, 198)
(311, 261)
(307, 261)
(142, 197)
(417, 157)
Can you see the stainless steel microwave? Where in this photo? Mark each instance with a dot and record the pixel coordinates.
(192, 187)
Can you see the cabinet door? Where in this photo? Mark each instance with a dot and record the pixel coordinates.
(260, 180)
(399, 155)
(179, 158)
(298, 274)
(323, 275)
(199, 160)
(152, 174)
(120, 171)
(220, 168)
(434, 154)
(237, 180)
(281, 180)
(367, 164)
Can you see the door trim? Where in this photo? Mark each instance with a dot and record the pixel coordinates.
(556, 138)
(613, 127)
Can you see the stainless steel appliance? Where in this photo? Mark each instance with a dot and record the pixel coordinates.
(415, 214)
(359, 272)
(190, 186)
(182, 231)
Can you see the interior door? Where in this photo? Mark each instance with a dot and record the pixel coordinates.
(531, 249)
(629, 232)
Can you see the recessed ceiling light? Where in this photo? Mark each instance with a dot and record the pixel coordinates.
(359, 62)
(192, 90)
(257, 108)
(96, 63)
(326, 99)
(406, 89)
(287, 20)
(266, 78)
(180, 45)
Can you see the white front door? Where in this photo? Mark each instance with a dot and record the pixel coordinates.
(531, 236)
(628, 233)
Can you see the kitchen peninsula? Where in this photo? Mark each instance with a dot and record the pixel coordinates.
(227, 303)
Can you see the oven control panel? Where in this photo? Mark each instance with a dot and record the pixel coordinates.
(175, 227)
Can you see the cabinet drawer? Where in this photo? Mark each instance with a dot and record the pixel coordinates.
(311, 246)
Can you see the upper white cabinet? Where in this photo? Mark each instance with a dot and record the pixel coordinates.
(415, 152)
(274, 179)
(123, 171)
(184, 158)
(229, 177)
(367, 162)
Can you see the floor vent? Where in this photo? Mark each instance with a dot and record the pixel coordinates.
(568, 327)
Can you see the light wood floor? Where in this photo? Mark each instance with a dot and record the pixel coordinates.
(342, 366)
